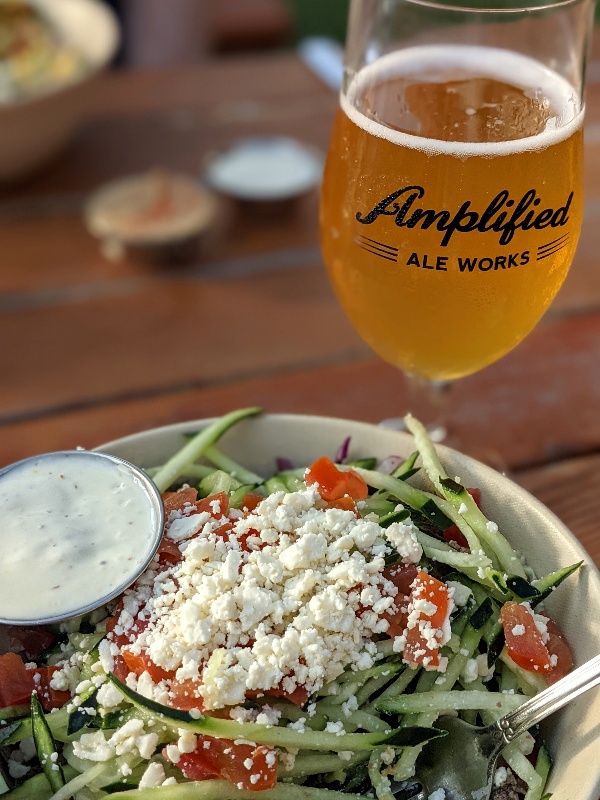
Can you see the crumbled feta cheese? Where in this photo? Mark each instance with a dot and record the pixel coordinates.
(132, 738)
(335, 727)
(403, 535)
(153, 776)
(500, 776)
(66, 679)
(350, 705)
(284, 613)
(187, 741)
(269, 716)
(109, 697)
(470, 671)
(462, 593)
(174, 753)
(288, 760)
(439, 794)
(93, 747)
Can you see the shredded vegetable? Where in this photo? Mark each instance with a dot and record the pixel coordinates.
(297, 636)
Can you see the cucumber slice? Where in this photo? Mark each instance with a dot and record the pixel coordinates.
(236, 498)
(281, 737)
(218, 481)
(548, 583)
(45, 746)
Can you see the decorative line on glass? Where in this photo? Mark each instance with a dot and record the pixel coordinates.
(380, 249)
(549, 249)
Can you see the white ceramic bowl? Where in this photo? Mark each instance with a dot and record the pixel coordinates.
(573, 735)
(35, 129)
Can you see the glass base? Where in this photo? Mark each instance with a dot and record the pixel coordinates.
(427, 401)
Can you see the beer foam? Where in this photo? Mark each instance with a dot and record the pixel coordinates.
(484, 62)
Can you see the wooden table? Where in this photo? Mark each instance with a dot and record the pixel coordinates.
(92, 350)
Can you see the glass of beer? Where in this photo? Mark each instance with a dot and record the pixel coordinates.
(453, 193)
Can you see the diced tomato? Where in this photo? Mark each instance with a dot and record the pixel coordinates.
(524, 643)
(217, 505)
(453, 534)
(120, 668)
(224, 529)
(176, 501)
(298, 697)
(111, 622)
(126, 661)
(128, 636)
(30, 641)
(17, 683)
(143, 663)
(476, 495)
(396, 619)
(184, 695)
(402, 576)
(169, 552)
(251, 500)
(558, 646)
(195, 767)
(245, 765)
(49, 698)
(334, 483)
(346, 503)
(418, 649)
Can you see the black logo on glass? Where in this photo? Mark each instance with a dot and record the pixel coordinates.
(503, 215)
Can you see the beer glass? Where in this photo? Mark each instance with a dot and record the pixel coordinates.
(452, 197)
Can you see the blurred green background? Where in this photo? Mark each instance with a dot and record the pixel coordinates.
(320, 18)
(328, 17)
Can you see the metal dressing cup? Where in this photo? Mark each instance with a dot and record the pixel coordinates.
(77, 527)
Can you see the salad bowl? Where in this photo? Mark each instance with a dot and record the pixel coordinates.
(573, 735)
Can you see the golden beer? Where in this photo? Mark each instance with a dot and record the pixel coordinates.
(452, 203)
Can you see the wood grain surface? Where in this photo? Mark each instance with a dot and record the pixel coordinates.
(93, 349)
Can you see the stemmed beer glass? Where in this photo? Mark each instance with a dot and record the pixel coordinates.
(453, 193)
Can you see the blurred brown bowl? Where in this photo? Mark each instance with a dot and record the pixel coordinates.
(158, 214)
(35, 129)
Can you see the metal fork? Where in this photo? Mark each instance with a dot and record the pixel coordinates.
(463, 762)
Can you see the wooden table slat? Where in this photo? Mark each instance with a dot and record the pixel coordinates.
(93, 349)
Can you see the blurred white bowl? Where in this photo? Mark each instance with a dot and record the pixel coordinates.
(265, 169)
(35, 129)
(572, 735)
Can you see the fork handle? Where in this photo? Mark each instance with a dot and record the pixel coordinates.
(550, 700)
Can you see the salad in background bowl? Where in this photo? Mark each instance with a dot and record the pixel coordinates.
(51, 54)
(324, 677)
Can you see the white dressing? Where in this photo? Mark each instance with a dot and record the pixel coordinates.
(76, 528)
